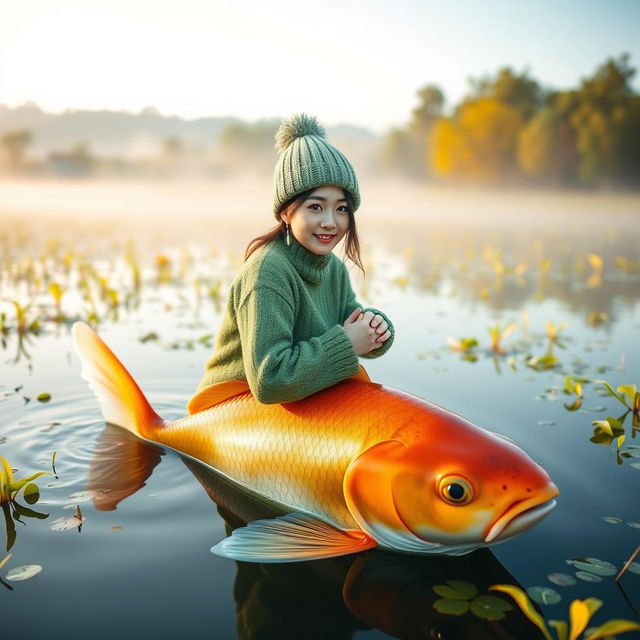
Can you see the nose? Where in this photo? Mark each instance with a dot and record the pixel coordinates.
(328, 220)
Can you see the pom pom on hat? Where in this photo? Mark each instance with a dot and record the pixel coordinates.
(295, 127)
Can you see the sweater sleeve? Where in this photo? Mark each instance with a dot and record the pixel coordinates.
(279, 370)
(351, 304)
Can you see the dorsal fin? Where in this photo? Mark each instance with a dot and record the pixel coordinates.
(215, 394)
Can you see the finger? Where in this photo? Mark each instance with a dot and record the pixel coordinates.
(382, 328)
(367, 316)
(354, 315)
(384, 337)
(377, 319)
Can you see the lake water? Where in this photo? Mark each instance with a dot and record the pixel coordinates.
(451, 267)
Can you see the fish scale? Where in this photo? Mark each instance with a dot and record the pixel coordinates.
(281, 455)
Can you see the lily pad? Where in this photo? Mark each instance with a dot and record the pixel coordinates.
(23, 572)
(546, 423)
(490, 607)
(31, 493)
(611, 519)
(594, 565)
(561, 579)
(544, 595)
(634, 567)
(633, 525)
(588, 577)
(635, 465)
(456, 590)
(451, 607)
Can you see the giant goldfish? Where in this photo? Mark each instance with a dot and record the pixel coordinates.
(355, 466)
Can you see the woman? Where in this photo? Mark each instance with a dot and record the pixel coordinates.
(292, 324)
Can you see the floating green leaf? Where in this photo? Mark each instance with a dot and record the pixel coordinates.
(561, 579)
(456, 590)
(588, 577)
(451, 607)
(490, 607)
(594, 565)
(544, 595)
(31, 493)
(612, 520)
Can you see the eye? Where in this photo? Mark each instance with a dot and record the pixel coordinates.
(315, 204)
(456, 490)
(343, 209)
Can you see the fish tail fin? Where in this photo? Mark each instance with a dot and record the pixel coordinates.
(119, 396)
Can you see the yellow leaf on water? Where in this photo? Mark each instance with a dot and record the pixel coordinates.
(612, 628)
(580, 613)
(561, 628)
(526, 606)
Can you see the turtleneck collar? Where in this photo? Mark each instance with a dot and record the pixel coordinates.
(308, 264)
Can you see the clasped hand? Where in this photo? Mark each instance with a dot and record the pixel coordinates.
(367, 331)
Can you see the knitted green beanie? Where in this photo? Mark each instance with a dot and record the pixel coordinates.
(307, 161)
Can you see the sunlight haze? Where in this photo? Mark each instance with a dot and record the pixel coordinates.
(352, 62)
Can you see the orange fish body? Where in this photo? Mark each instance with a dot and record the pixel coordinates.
(357, 464)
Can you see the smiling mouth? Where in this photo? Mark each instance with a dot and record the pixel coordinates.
(324, 237)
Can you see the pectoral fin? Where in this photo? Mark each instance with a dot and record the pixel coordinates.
(291, 538)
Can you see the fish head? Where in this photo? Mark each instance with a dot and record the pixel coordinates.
(448, 495)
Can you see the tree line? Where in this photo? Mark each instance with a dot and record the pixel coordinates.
(509, 130)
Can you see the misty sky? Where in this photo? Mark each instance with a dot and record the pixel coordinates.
(352, 61)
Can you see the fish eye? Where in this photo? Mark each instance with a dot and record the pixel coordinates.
(456, 490)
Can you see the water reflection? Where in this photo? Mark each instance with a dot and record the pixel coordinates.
(331, 598)
(588, 268)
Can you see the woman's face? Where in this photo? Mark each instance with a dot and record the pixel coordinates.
(321, 221)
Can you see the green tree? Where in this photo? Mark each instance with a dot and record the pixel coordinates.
(406, 151)
(508, 87)
(604, 113)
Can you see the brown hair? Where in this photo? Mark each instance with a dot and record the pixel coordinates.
(352, 243)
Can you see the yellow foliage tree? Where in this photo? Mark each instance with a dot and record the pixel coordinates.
(479, 142)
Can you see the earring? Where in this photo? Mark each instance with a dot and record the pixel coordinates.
(288, 236)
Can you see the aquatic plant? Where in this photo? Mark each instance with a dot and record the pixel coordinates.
(629, 396)
(12, 510)
(163, 268)
(546, 361)
(57, 292)
(24, 324)
(595, 279)
(9, 487)
(465, 345)
(459, 596)
(497, 333)
(574, 385)
(580, 612)
(553, 331)
(596, 318)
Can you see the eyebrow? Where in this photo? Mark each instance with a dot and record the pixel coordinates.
(324, 199)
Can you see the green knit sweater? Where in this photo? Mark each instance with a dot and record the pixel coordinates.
(282, 329)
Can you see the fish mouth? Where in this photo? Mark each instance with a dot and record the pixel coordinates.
(522, 515)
